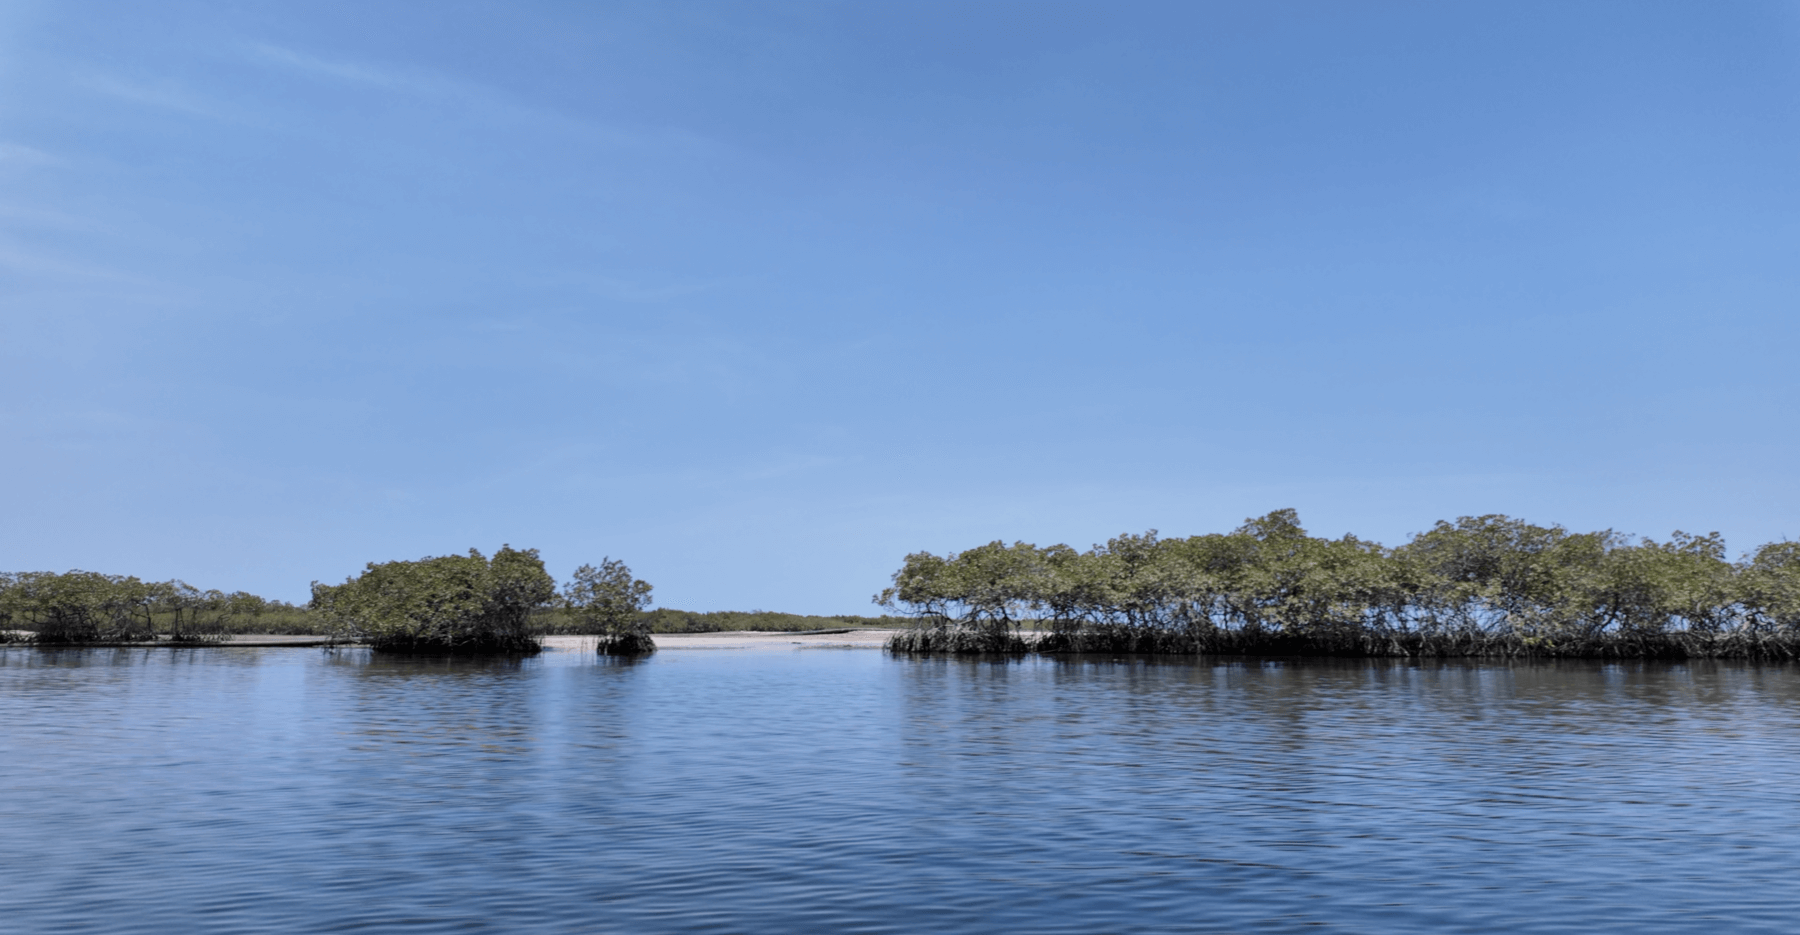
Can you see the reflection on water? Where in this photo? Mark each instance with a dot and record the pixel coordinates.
(203, 790)
(436, 706)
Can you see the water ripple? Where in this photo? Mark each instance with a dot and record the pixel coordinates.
(230, 790)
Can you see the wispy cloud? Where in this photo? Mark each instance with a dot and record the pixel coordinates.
(623, 290)
(161, 94)
(15, 154)
(353, 72)
(24, 262)
(784, 465)
(477, 98)
(22, 215)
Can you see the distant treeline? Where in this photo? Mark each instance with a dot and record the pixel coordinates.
(443, 603)
(559, 621)
(666, 620)
(89, 607)
(447, 603)
(1481, 586)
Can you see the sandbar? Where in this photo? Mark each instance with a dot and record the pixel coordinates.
(744, 639)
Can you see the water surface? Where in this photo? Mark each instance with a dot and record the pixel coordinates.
(231, 790)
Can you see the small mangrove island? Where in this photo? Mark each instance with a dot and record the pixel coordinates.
(1481, 586)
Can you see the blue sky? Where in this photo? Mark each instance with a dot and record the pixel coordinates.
(760, 297)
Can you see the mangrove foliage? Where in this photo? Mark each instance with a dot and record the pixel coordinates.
(609, 602)
(84, 607)
(447, 604)
(1481, 586)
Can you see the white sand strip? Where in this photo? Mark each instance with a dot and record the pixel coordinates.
(744, 639)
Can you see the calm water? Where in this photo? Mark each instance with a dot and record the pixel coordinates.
(235, 790)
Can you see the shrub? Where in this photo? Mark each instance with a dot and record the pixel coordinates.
(446, 604)
(79, 607)
(609, 602)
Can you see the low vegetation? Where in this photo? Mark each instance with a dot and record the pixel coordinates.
(609, 602)
(80, 607)
(668, 620)
(447, 604)
(1481, 586)
(456, 603)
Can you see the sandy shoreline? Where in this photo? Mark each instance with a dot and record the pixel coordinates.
(744, 639)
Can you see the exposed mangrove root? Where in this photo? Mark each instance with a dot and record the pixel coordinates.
(954, 639)
(494, 644)
(627, 643)
(968, 641)
(1679, 645)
